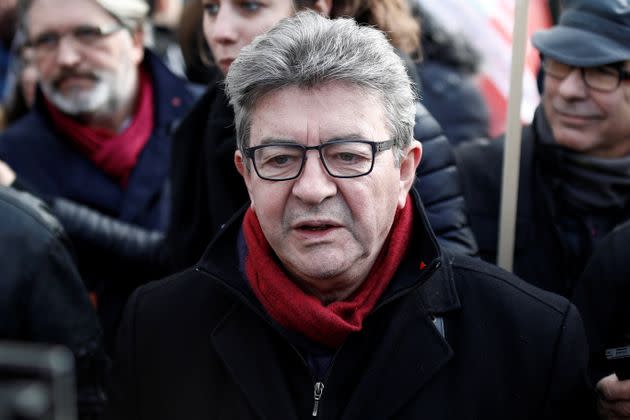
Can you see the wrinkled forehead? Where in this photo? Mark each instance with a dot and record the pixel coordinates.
(323, 112)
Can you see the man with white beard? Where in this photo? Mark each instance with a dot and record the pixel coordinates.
(99, 133)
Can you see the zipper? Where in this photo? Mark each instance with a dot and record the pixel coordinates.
(318, 388)
(317, 395)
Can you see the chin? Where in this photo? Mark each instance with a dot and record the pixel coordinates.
(314, 267)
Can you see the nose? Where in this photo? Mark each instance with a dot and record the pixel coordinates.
(314, 185)
(224, 28)
(67, 53)
(573, 86)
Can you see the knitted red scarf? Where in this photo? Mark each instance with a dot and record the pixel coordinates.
(297, 311)
(115, 153)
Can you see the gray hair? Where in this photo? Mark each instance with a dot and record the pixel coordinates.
(308, 50)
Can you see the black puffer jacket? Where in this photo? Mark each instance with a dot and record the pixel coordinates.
(42, 297)
(207, 190)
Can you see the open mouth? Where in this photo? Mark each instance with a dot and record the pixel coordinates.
(316, 228)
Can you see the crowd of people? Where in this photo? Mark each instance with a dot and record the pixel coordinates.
(160, 216)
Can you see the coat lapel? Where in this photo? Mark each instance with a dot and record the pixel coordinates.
(412, 352)
(253, 359)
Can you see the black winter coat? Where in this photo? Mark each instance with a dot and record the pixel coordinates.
(42, 296)
(459, 339)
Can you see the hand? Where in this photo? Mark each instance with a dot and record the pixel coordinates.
(613, 398)
(7, 176)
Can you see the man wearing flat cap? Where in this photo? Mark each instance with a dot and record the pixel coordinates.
(99, 133)
(574, 184)
(575, 159)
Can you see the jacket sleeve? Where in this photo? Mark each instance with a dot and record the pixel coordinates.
(141, 250)
(129, 242)
(439, 188)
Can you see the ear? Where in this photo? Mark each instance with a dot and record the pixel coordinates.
(240, 163)
(137, 39)
(408, 166)
(323, 6)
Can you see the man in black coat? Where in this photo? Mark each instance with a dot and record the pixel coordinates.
(575, 158)
(328, 296)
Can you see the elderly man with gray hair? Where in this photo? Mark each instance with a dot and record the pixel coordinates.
(99, 133)
(328, 295)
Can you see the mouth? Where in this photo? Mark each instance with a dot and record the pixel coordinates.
(316, 226)
(225, 64)
(579, 117)
(74, 80)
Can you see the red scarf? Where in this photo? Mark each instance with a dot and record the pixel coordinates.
(297, 311)
(115, 153)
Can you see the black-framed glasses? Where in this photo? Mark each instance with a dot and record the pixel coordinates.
(603, 78)
(86, 35)
(341, 158)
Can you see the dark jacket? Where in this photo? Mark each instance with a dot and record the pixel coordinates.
(458, 339)
(53, 167)
(42, 297)
(603, 298)
(543, 254)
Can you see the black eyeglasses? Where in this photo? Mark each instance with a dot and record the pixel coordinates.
(341, 158)
(603, 78)
(48, 42)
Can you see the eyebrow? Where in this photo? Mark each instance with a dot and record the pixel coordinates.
(277, 140)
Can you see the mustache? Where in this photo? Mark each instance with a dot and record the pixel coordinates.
(336, 212)
(584, 110)
(68, 74)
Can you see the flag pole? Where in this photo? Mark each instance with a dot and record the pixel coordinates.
(512, 149)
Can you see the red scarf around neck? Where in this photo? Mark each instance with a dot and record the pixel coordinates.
(297, 311)
(115, 153)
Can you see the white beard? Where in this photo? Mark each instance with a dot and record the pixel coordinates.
(110, 92)
(79, 101)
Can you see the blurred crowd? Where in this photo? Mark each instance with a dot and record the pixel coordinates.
(117, 170)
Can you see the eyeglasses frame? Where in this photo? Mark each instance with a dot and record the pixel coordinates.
(621, 74)
(379, 146)
(104, 31)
